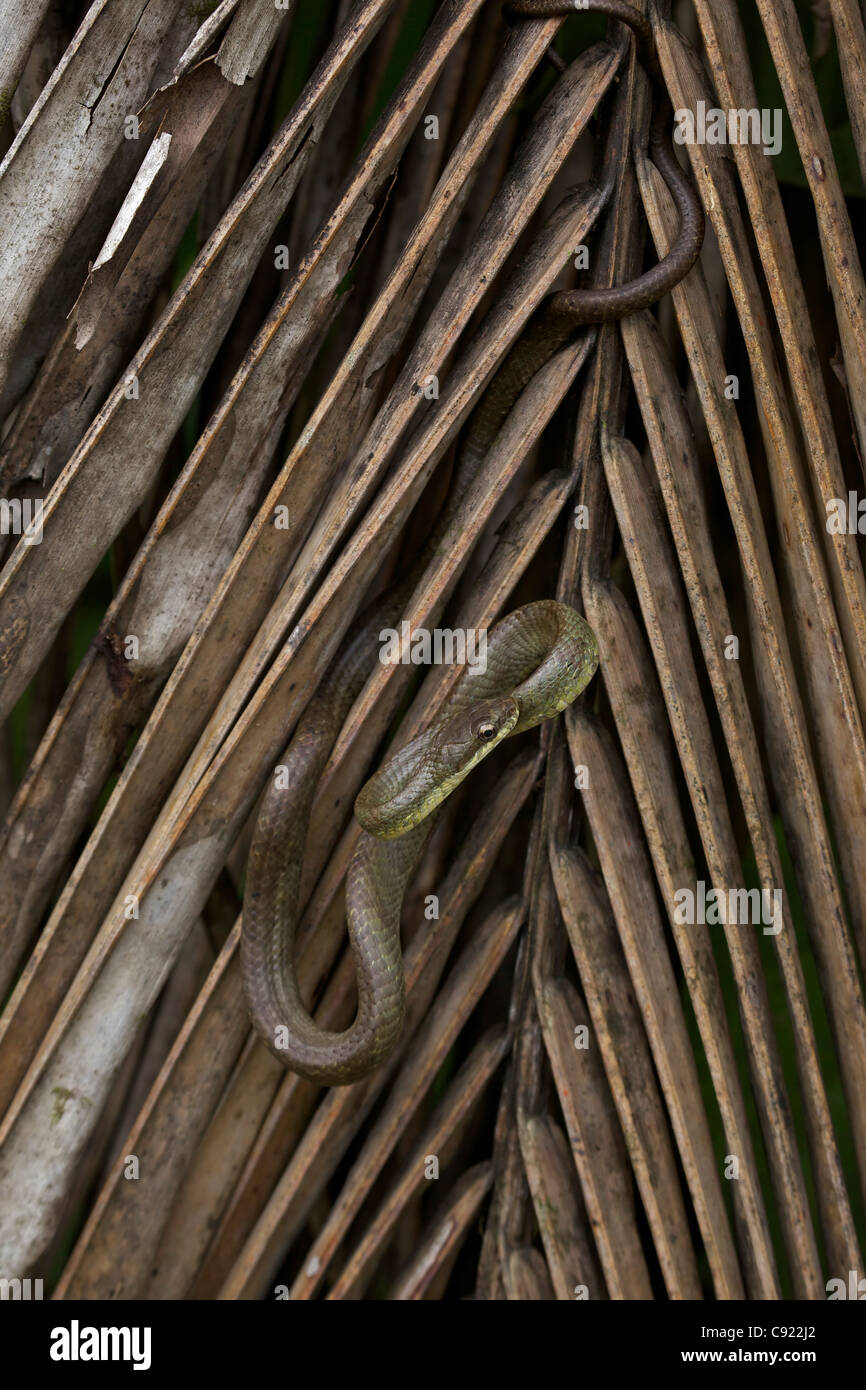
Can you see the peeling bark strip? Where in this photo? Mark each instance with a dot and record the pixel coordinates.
(103, 77)
(206, 32)
(191, 119)
(110, 472)
(249, 37)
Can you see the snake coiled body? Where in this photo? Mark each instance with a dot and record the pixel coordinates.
(539, 658)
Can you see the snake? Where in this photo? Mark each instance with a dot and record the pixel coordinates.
(539, 659)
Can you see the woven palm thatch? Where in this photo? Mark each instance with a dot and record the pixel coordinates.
(261, 263)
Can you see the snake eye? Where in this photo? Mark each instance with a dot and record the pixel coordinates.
(486, 731)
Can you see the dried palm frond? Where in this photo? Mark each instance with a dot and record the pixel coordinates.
(265, 267)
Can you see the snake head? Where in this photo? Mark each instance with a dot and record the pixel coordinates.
(409, 787)
(468, 737)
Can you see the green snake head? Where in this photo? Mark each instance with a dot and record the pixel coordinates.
(409, 787)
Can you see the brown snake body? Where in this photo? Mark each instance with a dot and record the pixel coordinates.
(539, 658)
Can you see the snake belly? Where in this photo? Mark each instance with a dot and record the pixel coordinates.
(539, 659)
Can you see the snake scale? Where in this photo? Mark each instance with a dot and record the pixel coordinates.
(539, 659)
